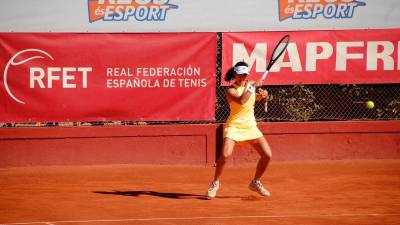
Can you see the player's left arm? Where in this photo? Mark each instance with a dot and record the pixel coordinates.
(261, 94)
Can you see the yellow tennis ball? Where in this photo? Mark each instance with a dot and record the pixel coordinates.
(370, 104)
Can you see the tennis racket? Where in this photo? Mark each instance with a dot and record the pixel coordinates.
(278, 51)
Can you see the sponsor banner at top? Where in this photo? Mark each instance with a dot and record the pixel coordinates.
(124, 10)
(313, 9)
(196, 16)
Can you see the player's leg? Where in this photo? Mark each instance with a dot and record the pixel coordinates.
(264, 150)
(227, 151)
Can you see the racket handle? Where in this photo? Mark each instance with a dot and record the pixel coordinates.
(264, 75)
(266, 105)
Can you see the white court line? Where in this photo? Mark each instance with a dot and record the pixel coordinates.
(206, 217)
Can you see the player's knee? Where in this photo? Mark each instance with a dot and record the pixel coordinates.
(222, 159)
(267, 155)
(226, 155)
(266, 149)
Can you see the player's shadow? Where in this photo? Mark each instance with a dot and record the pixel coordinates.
(152, 193)
(159, 194)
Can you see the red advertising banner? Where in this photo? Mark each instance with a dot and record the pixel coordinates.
(318, 57)
(97, 77)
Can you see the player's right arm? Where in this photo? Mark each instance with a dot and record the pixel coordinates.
(241, 99)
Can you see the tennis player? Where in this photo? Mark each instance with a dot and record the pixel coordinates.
(241, 126)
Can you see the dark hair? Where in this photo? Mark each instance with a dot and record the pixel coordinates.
(230, 74)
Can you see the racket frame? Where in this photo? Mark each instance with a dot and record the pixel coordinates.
(273, 60)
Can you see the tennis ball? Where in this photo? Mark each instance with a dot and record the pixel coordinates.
(370, 104)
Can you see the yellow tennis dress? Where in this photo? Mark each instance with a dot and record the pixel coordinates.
(241, 124)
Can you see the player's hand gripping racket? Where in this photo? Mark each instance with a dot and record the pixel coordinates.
(278, 52)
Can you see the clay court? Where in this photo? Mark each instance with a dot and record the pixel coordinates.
(303, 192)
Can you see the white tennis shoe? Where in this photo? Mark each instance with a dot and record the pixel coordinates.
(212, 190)
(255, 185)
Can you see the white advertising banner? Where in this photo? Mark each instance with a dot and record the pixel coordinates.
(195, 15)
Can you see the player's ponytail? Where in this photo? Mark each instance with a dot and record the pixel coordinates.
(230, 74)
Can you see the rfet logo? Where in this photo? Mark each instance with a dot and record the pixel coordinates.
(123, 10)
(313, 9)
(43, 77)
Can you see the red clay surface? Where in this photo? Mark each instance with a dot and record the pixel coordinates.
(303, 192)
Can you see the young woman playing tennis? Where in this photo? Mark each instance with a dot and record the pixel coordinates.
(241, 126)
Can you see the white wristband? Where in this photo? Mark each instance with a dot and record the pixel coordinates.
(251, 89)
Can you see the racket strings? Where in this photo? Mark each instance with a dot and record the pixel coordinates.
(279, 50)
